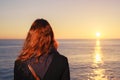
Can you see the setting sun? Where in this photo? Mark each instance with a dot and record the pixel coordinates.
(98, 34)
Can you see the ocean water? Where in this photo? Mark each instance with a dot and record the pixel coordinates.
(89, 59)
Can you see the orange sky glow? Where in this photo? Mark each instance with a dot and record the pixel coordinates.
(70, 19)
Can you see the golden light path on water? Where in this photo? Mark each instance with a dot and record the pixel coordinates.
(98, 72)
(98, 54)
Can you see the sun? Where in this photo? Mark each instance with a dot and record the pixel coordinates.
(98, 34)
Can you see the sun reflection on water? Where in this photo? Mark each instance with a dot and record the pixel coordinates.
(98, 58)
(98, 72)
(98, 54)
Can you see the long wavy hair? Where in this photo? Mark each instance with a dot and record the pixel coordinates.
(39, 40)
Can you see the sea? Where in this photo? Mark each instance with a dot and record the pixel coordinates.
(89, 59)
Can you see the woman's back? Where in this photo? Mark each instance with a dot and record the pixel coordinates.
(55, 68)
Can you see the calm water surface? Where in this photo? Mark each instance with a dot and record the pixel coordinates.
(88, 59)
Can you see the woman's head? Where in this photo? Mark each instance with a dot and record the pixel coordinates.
(39, 40)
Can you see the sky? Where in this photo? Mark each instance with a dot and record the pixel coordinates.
(70, 19)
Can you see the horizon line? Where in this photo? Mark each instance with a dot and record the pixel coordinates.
(59, 38)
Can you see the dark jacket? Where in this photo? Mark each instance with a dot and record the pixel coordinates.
(57, 70)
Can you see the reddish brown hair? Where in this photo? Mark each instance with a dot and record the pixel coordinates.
(39, 40)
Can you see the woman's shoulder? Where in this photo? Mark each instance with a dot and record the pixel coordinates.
(21, 63)
(18, 62)
(60, 61)
(60, 56)
(21, 66)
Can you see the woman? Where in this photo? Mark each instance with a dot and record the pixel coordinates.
(39, 58)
